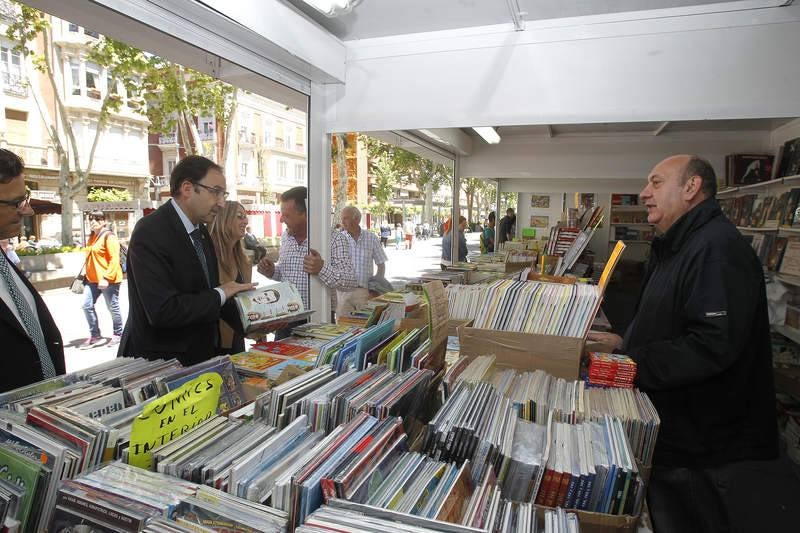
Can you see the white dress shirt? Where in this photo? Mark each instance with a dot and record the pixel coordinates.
(5, 295)
(187, 224)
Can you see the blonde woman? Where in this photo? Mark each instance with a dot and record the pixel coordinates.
(227, 232)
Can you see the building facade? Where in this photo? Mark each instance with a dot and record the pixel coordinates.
(30, 110)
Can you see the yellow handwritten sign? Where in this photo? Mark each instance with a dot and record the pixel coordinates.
(170, 416)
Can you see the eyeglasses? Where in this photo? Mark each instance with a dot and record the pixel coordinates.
(99, 219)
(216, 191)
(18, 204)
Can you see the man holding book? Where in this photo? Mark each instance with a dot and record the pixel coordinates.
(176, 299)
(30, 337)
(701, 341)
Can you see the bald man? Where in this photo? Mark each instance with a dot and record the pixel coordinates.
(701, 340)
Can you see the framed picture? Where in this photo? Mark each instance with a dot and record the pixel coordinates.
(586, 200)
(538, 221)
(540, 201)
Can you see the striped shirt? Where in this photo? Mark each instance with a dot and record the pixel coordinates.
(337, 273)
(366, 249)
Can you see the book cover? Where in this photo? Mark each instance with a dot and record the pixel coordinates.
(746, 169)
(269, 307)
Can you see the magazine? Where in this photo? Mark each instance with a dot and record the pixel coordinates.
(271, 307)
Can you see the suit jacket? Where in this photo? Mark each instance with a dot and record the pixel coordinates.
(25, 367)
(172, 310)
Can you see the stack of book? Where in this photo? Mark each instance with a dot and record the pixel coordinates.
(527, 306)
(611, 370)
(591, 467)
(536, 396)
(328, 399)
(118, 497)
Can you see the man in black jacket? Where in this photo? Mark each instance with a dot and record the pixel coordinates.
(29, 336)
(175, 299)
(701, 340)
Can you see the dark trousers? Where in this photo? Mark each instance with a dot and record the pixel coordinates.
(709, 499)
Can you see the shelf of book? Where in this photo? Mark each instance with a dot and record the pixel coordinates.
(755, 187)
(790, 333)
(748, 228)
(788, 380)
(634, 224)
(789, 230)
(789, 280)
(628, 208)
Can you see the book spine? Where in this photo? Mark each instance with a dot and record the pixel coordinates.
(561, 497)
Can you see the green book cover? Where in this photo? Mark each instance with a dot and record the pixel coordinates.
(25, 473)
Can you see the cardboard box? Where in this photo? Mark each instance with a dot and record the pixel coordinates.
(559, 356)
(598, 522)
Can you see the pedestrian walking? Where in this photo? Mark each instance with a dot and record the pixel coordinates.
(103, 276)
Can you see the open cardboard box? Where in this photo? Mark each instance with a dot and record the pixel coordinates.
(599, 523)
(559, 356)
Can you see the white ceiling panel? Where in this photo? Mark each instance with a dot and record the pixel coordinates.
(381, 18)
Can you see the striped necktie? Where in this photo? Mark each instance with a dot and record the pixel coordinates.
(197, 241)
(32, 326)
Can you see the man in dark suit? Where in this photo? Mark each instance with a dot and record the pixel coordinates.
(175, 299)
(28, 333)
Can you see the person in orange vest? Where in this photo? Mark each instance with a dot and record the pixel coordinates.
(103, 276)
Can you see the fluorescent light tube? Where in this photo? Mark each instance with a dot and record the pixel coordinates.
(489, 134)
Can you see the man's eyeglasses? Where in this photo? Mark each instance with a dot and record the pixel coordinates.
(99, 219)
(216, 191)
(18, 204)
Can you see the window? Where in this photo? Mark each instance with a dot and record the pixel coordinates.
(280, 166)
(267, 130)
(73, 27)
(205, 127)
(12, 61)
(287, 141)
(91, 33)
(244, 168)
(299, 139)
(93, 80)
(170, 165)
(300, 173)
(112, 85)
(75, 68)
(279, 134)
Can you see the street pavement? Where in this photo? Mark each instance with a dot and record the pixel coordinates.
(403, 265)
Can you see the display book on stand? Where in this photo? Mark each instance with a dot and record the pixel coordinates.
(539, 324)
(160, 416)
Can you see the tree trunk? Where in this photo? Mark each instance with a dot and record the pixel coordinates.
(428, 211)
(65, 191)
(227, 153)
(192, 127)
(341, 170)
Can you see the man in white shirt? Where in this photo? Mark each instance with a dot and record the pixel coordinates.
(365, 248)
(30, 337)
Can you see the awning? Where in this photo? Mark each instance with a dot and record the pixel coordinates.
(44, 207)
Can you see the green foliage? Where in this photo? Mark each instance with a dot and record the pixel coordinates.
(174, 93)
(24, 31)
(48, 250)
(108, 194)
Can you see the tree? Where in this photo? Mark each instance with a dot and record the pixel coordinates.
(472, 187)
(385, 179)
(339, 153)
(123, 65)
(410, 168)
(176, 96)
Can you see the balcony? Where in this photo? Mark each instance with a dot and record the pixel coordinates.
(8, 11)
(208, 136)
(247, 137)
(35, 156)
(15, 85)
(169, 138)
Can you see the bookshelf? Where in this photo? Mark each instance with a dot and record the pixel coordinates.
(628, 222)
